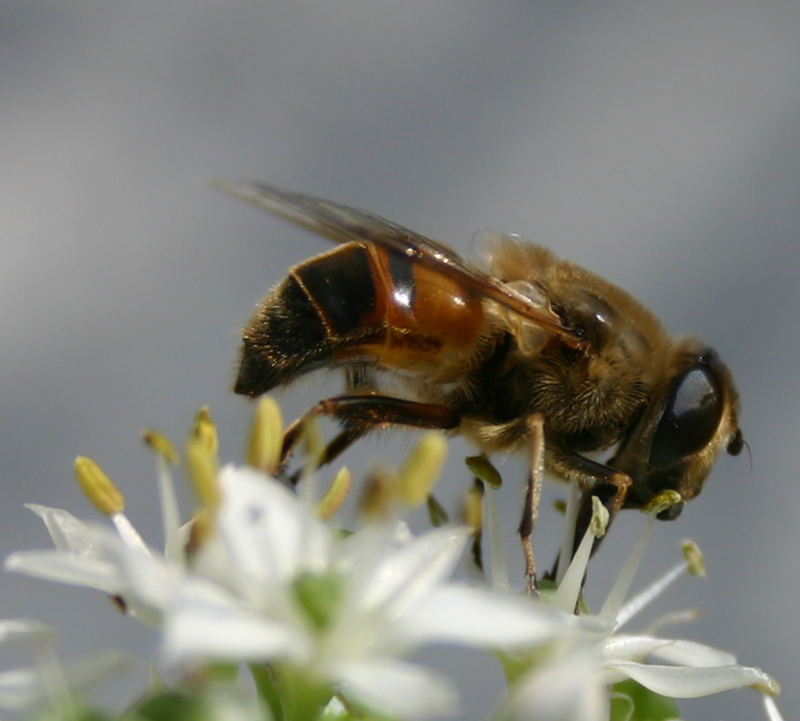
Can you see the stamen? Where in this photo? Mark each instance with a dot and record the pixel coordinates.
(568, 539)
(201, 460)
(670, 619)
(771, 709)
(616, 597)
(649, 594)
(566, 596)
(483, 469)
(498, 568)
(129, 535)
(204, 429)
(161, 445)
(600, 516)
(98, 487)
(473, 507)
(170, 513)
(335, 496)
(693, 556)
(421, 470)
(378, 496)
(266, 436)
(436, 513)
(693, 564)
(662, 501)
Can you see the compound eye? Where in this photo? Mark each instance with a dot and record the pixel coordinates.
(690, 418)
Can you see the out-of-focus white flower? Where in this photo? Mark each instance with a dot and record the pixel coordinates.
(344, 610)
(270, 582)
(46, 682)
(93, 556)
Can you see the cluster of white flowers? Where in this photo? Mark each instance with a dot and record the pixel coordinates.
(326, 620)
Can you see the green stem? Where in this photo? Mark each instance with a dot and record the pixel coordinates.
(290, 694)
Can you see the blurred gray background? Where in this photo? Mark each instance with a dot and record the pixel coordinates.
(655, 143)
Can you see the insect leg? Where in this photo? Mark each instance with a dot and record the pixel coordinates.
(363, 413)
(594, 479)
(533, 494)
(611, 491)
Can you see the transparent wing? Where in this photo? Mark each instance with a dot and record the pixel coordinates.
(344, 224)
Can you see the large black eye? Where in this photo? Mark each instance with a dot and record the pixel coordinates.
(690, 418)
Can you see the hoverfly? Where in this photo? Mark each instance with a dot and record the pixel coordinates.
(532, 344)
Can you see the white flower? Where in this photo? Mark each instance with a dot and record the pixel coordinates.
(27, 688)
(270, 584)
(343, 610)
(273, 583)
(93, 556)
(574, 680)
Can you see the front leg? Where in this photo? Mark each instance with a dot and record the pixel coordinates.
(594, 479)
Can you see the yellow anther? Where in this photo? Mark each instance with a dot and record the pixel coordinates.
(473, 507)
(662, 501)
(204, 430)
(202, 466)
(98, 487)
(436, 513)
(695, 563)
(600, 517)
(482, 468)
(201, 459)
(201, 530)
(266, 436)
(379, 494)
(421, 469)
(335, 495)
(313, 441)
(161, 445)
(769, 686)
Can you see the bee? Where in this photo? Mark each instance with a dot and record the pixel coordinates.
(527, 345)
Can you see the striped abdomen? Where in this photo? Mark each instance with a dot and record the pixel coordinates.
(359, 303)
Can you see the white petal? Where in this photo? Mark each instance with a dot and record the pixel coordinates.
(67, 568)
(66, 531)
(270, 533)
(19, 688)
(626, 648)
(404, 576)
(562, 690)
(150, 581)
(396, 688)
(22, 688)
(206, 625)
(680, 652)
(460, 614)
(691, 653)
(90, 670)
(683, 682)
(16, 630)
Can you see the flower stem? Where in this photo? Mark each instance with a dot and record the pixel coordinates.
(291, 695)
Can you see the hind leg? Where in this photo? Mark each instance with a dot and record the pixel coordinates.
(360, 414)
